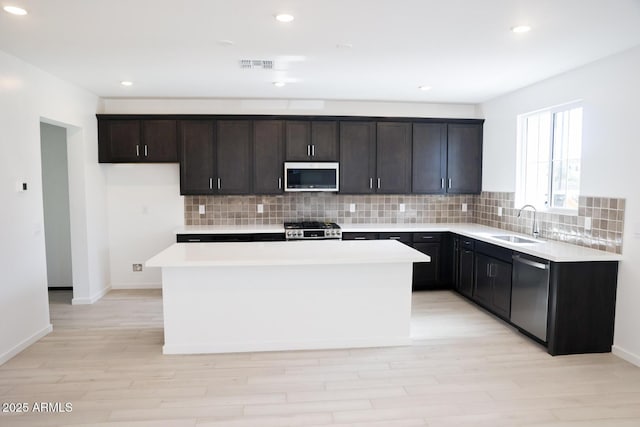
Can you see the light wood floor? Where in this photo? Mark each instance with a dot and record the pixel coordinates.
(465, 368)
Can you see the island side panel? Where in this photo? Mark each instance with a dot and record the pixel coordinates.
(266, 308)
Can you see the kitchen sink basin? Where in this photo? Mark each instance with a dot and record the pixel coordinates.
(514, 239)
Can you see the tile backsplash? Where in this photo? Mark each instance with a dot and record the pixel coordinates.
(606, 214)
(375, 209)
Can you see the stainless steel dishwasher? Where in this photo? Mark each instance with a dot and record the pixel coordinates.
(530, 295)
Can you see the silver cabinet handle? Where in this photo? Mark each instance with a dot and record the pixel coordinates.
(378, 182)
(370, 183)
(442, 183)
(313, 150)
(449, 182)
(219, 186)
(488, 270)
(279, 183)
(394, 237)
(360, 238)
(146, 153)
(137, 151)
(308, 150)
(210, 183)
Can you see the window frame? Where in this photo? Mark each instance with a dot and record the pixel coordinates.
(521, 157)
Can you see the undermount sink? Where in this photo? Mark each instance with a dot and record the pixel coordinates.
(511, 238)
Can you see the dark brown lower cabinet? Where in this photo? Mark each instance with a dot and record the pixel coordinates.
(493, 285)
(466, 268)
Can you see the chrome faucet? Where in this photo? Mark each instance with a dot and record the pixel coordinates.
(534, 228)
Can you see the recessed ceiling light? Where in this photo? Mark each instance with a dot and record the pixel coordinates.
(284, 17)
(15, 10)
(424, 88)
(226, 42)
(126, 83)
(521, 29)
(279, 84)
(344, 46)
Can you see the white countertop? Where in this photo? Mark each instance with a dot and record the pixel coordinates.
(323, 252)
(547, 249)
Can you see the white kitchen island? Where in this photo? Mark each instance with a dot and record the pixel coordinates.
(264, 296)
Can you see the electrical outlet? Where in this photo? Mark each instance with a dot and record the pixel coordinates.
(499, 211)
(260, 208)
(137, 267)
(401, 207)
(587, 223)
(201, 209)
(352, 207)
(464, 207)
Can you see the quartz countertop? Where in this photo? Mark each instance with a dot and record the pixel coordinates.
(547, 249)
(323, 252)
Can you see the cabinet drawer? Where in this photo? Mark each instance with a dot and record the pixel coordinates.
(426, 237)
(194, 238)
(359, 236)
(401, 237)
(467, 243)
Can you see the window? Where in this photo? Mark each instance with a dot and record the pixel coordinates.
(549, 150)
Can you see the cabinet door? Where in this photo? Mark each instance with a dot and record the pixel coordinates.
(357, 157)
(464, 158)
(298, 140)
(429, 158)
(234, 156)
(119, 141)
(268, 156)
(393, 151)
(197, 146)
(426, 275)
(466, 272)
(483, 289)
(324, 141)
(455, 262)
(159, 140)
(501, 275)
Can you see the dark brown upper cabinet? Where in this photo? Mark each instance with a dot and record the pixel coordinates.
(311, 140)
(133, 140)
(375, 157)
(357, 157)
(447, 158)
(464, 158)
(429, 158)
(393, 153)
(233, 157)
(268, 156)
(197, 150)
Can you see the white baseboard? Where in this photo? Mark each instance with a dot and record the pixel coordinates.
(4, 357)
(151, 285)
(626, 355)
(92, 299)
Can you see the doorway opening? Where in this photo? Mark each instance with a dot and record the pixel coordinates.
(57, 223)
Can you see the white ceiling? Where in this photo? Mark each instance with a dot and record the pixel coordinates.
(464, 49)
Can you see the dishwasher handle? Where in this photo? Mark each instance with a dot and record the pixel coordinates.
(535, 264)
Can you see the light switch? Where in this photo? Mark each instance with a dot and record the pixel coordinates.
(260, 208)
(499, 211)
(587, 223)
(401, 207)
(464, 207)
(201, 209)
(352, 207)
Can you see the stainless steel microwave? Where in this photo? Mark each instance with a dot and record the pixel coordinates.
(311, 176)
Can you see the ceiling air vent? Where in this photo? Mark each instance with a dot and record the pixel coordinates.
(256, 64)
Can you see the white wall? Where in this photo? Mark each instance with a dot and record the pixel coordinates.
(55, 189)
(145, 206)
(610, 91)
(27, 97)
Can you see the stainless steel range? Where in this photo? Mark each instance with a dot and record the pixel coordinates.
(312, 230)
